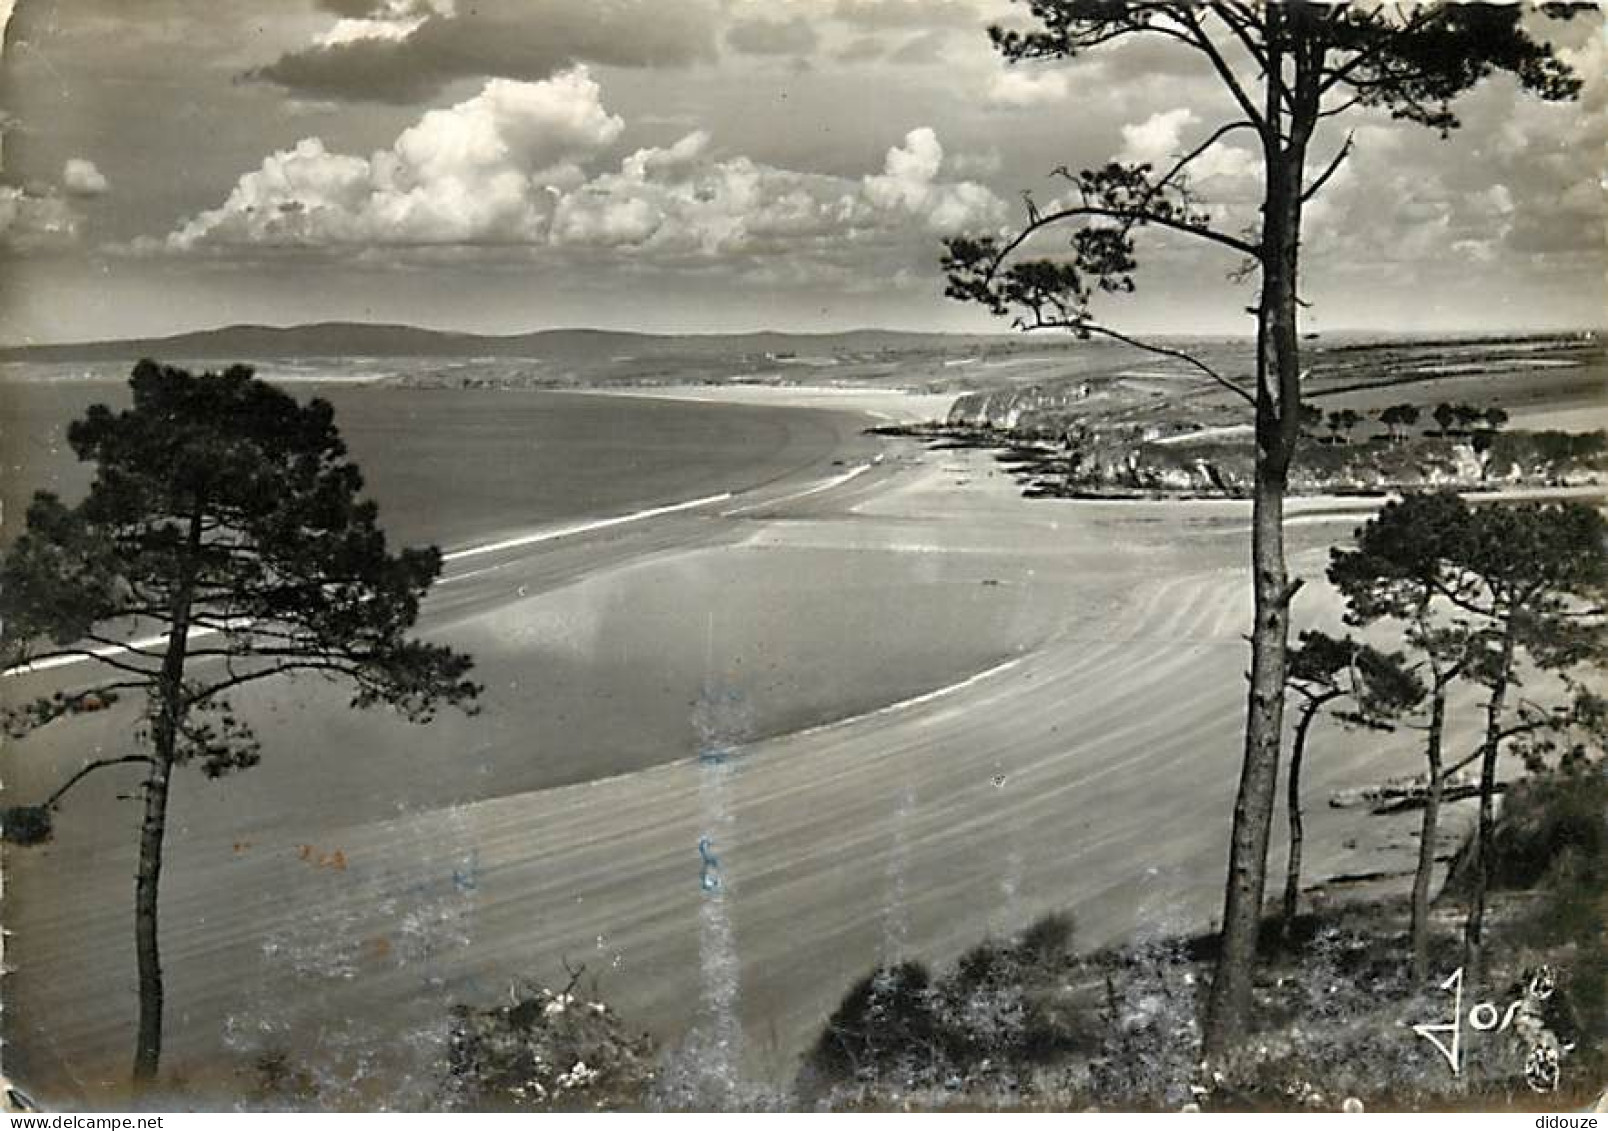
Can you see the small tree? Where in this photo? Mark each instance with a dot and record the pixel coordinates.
(1323, 671)
(1396, 571)
(1398, 418)
(225, 516)
(1341, 422)
(1445, 415)
(1536, 573)
(1288, 70)
(1495, 418)
(1515, 579)
(1467, 415)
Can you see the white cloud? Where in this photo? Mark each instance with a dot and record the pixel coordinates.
(528, 126)
(406, 51)
(680, 200)
(1157, 138)
(1020, 88)
(479, 171)
(674, 201)
(1159, 142)
(80, 178)
(387, 21)
(353, 30)
(511, 165)
(909, 182)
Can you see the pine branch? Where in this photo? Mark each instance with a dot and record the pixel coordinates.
(1420, 19)
(1331, 170)
(1048, 219)
(1241, 19)
(1203, 42)
(1185, 161)
(99, 764)
(1081, 325)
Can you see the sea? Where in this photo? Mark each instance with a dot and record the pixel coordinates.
(454, 466)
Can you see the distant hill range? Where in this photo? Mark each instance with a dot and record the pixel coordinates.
(364, 339)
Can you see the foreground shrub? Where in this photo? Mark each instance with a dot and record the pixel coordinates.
(886, 1027)
(994, 1014)
(547, 1051)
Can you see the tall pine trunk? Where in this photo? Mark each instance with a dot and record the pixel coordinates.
(148, 1041)
(1484, 850)
(147, 884)
(1278, 412)
(1229, 1008)
(1428, 834)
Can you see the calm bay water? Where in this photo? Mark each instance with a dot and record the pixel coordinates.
(454, 466)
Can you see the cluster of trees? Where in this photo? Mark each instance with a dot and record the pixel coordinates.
(1453, 419)
(1290, 71)
(1460, 419)
(1505, 599)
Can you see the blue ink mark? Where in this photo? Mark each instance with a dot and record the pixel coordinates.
(709, 870)
(466, 879)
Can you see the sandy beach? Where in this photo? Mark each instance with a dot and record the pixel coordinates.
(891, 406)
(928, 710)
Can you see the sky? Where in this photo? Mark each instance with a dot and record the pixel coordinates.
(707, 166)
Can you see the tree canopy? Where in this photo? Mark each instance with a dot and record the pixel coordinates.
(228, 489)
(1485, 588)
(1288, 68)
(225, 516)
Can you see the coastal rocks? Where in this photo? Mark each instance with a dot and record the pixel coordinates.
(1077, 457)
(1400, 794)
(1031, 408)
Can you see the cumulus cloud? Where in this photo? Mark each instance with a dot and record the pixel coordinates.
(678, 203)
(909, 181)
(406, 50)
(512, 166)
(485, 170)
(385, 20)
(1519, 187)
(80, 178)
(1159, 142)
(1018, 88)
(1156, 138)
(772, 37)
(352, 31)
(681, 201)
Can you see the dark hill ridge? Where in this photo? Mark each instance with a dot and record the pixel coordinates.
(364, 339)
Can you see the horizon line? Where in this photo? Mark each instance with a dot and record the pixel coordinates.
(1485, 332)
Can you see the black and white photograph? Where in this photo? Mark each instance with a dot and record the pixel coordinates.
(852, 556)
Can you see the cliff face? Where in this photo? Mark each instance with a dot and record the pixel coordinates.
(1085, 459)
(1031, 410)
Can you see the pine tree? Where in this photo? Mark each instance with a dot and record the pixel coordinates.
(223, 542)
